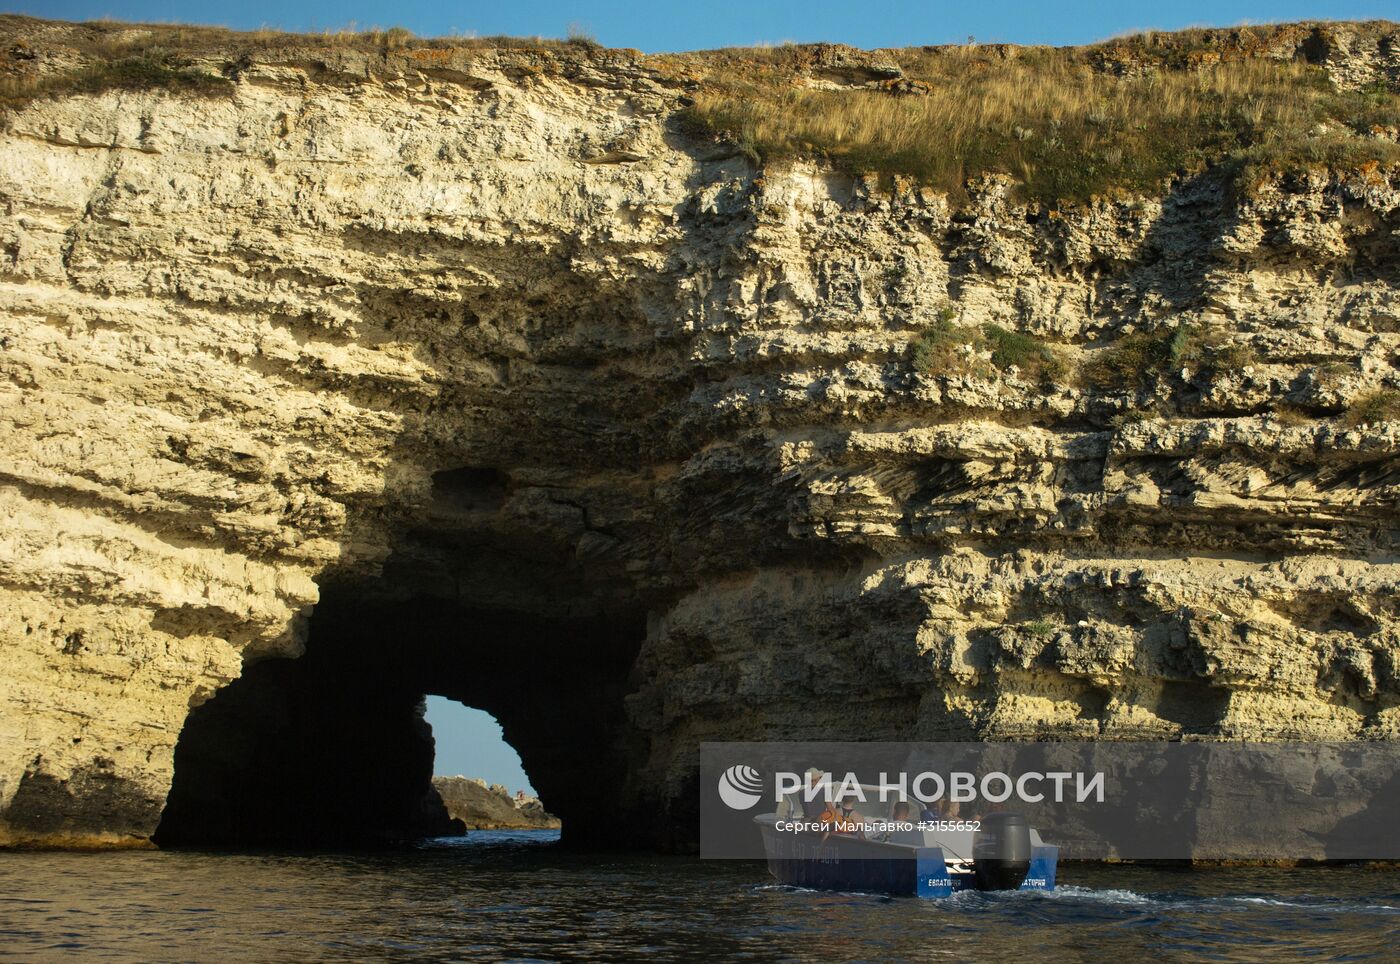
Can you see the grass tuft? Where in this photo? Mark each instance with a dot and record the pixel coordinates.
(397, 38)
(1290, 414)
(1372, 408)
(579, 36)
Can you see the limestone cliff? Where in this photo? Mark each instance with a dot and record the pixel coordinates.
(477, 372)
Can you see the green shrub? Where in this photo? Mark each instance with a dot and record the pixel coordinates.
(1142, 358)
(894, 275)
(154, 69)
(1209, 350)
(1040, 627)
(1127, 362)
(946, 348)
(1036, 360)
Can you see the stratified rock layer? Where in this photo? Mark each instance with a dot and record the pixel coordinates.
(487, 332)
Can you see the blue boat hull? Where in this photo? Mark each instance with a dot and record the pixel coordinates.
(847, 863)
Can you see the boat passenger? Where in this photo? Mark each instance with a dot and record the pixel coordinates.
(814, 808)
(796, 805)
(841, 815)
(943, 811)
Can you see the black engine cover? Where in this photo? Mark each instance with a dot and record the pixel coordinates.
(1001, 851)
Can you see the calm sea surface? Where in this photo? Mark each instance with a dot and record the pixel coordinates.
(510, 896)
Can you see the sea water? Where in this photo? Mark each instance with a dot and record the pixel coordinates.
(512, 896)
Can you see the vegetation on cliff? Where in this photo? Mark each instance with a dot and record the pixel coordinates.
(108, 55)
(482, 807)
(143, 68)
(1373, 408)
(1144, 357)
(946, 348)
(1066, 123)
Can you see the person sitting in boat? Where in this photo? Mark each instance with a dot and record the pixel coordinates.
(940, 811)
(814, 807)
(842, 817)
(900, 812)
(808, 802)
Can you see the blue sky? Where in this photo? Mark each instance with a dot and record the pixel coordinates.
(659, 26)
(469, 742)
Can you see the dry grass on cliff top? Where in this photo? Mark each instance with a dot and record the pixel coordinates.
(1066, 123)
(1054, 119)
(110, 55)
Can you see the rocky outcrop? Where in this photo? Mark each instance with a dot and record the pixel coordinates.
(477, 374)
(482, 807)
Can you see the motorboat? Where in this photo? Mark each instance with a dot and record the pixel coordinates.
(930, 857)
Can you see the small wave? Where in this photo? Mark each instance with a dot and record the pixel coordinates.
(1110, 896)
(1129, 898)
(1321, 904)
(1124, 898)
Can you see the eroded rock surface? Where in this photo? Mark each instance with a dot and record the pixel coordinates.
(490, 333)
(482, 807)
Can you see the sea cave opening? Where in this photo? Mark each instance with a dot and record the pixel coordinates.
(479, 775)
(332, 749)
(471, 742)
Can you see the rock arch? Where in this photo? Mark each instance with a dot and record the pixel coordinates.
(331, 749)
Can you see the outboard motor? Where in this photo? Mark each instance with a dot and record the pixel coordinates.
(1001, 851)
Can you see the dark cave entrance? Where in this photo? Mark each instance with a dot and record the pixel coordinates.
(332, 750)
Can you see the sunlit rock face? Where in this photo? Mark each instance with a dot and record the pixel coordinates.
(481, 377)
